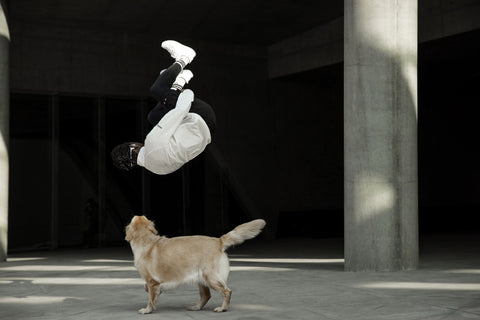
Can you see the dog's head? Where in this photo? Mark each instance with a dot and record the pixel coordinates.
(139, 226)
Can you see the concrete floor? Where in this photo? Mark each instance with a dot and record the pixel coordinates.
(286, 279)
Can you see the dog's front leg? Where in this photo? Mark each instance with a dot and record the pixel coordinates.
(154, 292)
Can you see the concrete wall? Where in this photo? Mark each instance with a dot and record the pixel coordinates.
(272, 170)
(309, 122)
(49, 57)
(57, 58)
(30, 205)
(31, 199)
(309, 141)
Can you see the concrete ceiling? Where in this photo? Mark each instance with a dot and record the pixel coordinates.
(258, 22)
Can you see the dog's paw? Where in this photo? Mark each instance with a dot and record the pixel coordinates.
(195, 307)
(145, 311)
(219, 309)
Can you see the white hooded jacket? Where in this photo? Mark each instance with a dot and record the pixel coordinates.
(178, 137)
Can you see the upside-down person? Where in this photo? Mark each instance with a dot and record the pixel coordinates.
(182, 123)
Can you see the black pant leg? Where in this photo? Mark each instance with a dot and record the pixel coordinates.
(167, 98)
(162, 108)
(157, 113)
(162, 85)
(162, 92)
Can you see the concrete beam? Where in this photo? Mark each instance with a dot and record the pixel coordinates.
(312, 49)
(4, 130)
(323, 45)
(443, 18)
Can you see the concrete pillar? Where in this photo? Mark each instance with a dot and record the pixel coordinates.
(380, 147)
(4, 130)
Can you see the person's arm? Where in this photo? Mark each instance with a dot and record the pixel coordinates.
(169, 123)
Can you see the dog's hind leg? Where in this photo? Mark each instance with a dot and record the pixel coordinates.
(220, 286)
(204, 297)
(153, 292)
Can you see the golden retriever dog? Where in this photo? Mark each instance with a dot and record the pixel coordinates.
(165, 263)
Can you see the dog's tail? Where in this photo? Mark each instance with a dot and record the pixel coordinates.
(241, 233)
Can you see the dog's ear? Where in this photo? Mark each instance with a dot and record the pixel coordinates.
(129, 233)
(130, 230)
(151, 228)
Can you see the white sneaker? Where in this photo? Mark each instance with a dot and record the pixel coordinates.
(179, 51)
